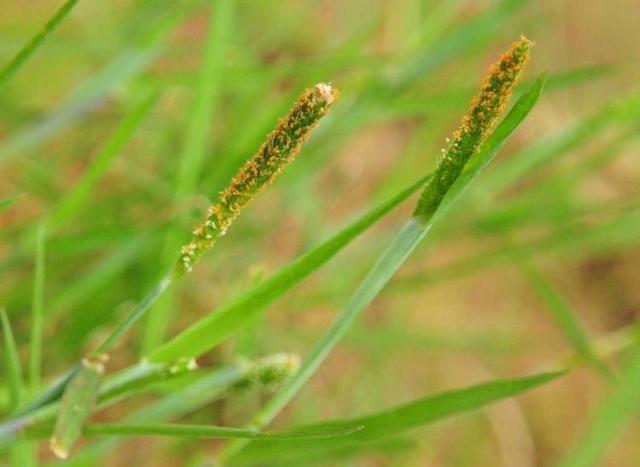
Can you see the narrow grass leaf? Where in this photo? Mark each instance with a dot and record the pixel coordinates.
(615, 412)
(549, 149)
(8, 202)
(576, 239)
(103, 272)
(219, 325)
(396, 420)
(37, 312)
(77, 404)
(36, 41)
(434, 201)
(222, 323)
(190, 163)
(280, 148)
(83, 98)
(394, 256)
(76, 197)
(13, 368)
(561, 312)
(209, 431)
(266, 372)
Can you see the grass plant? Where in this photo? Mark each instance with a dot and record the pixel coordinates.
(234, 339)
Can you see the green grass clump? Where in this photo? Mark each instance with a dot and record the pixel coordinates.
(124, 126)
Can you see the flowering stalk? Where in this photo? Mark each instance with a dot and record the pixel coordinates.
(278, 150)
(484, 111)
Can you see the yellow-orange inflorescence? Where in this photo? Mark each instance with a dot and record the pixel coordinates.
(280, 148)
(483, 113)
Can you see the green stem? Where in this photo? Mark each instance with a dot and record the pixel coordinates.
(21, 57)
(55, 391)
(35, 357)
(134, 315)
(390, 261)
(209, 431)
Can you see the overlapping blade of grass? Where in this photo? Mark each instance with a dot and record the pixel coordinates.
(548, 150)
(396, 420)
(180, 402)
(574, 240)
(280, 148)
(8, 202)
(222, 323)
(475, 32)
(36, 41)
(394, 449)
(78, 195)
(561, 312)
(182, 395)
(103, 272)
(614, 413)
(214, 432)
(76, 405)
(395, 255)
(379, 91)
(21, 453)
(13, 367)
(219, 325)
(121, 70)
(37, 312)
(441, 102)
(194, 149)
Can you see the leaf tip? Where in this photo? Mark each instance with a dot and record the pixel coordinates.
(58, 449)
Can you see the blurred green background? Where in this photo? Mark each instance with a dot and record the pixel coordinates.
(95, 130)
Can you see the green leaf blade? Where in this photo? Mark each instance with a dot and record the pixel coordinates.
(609, 420)
(13, 368)
(37, 311)
(28, 50)
(201, 116)
(214, 328)
(78, 196)
(214, 432)
(397, 420)
(391, 260)
(76, 407)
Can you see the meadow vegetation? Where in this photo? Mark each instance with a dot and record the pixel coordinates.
(255, 233)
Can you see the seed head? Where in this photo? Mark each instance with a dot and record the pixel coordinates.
(280, 148)
(483, 113)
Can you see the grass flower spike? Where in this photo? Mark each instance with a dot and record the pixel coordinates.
(269, 372)
(280, 148)
(484, 111)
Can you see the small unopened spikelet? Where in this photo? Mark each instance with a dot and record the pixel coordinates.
(278, 150)
(484, 111)
(269, 372)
